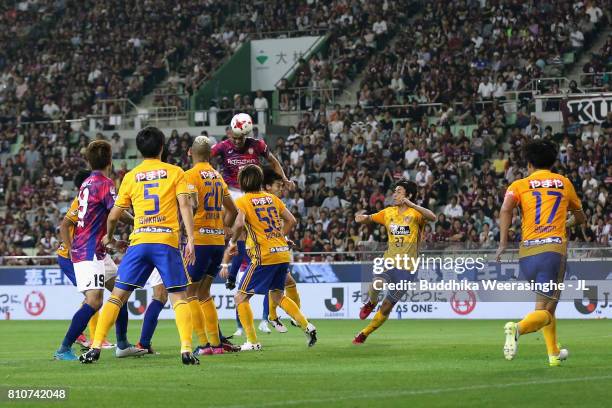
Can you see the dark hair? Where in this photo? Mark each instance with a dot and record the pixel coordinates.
(250, 178)
(409, 186)
(99, 153)
(270, 176)
(541, 153)
(80, 177)
(150, 141)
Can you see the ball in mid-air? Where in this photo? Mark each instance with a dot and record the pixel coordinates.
(241, 124)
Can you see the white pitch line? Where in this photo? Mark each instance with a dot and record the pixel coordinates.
(392, 394)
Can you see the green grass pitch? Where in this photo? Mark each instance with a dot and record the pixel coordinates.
(433, 363)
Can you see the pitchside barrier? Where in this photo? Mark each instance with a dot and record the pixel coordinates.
(336, 291)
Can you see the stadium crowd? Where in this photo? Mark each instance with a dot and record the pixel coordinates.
(356, 32)
(343, 162)
(455, 53)
(343, 159)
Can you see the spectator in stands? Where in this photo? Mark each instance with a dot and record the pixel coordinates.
(453, 209)
(423, 176)
(118, 146)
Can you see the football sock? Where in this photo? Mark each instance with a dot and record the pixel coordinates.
(376, 322)
(93, 322)
(211, 321)
(182, 313)
(198, 319)
(237, 260)
(294, 311)
(108, 316)
(246, 318)
(534, 321)
(121, 326)
(292, 293)
(550, 337)
(77, 325)
(150, 322)
(266, 307)
(271, 308)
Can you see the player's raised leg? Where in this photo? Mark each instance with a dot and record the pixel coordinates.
(278, 275)
(379, 319)
(369, 306)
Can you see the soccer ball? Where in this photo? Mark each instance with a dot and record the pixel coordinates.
(241, 124)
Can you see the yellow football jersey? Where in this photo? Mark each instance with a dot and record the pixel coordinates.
(544, 198)
(265, 242)
(151, 189)
(72, 216)
(403, 230)
(211, 190)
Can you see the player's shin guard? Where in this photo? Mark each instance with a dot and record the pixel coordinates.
(77, 325)
(550, 337)
(108, 316)
(211, 320)
(121, 326)
(534, 321)
(93, 322)
(272, 315)
(292, 293)
(294, 311)
(198, 320)
(149, 323)
(237, 260)
(245, 313)
(183, 323)
(378, 320)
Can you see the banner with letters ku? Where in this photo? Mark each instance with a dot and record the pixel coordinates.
(439, 290)
(587, 108)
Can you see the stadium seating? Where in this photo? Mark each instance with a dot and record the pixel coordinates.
(344, 159)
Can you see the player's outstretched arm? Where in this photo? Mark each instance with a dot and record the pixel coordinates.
(278, 169)
(363, 219)
(505, 219)
(65, 232)
(289, 221)
(185, 207)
